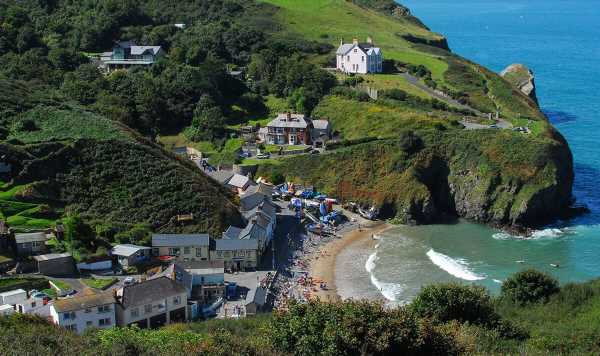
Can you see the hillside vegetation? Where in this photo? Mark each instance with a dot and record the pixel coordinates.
(532, 316)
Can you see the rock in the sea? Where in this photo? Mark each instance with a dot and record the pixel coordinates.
(521, 77)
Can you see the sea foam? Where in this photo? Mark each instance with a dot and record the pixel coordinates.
(550, 233)
(390, 291)
(457, 268)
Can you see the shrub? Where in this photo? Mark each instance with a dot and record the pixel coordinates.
(447, 302)
(26, 125)
(529, 286)
(396, 94)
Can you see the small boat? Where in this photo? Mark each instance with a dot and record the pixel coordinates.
(555, 265)
(520, 261)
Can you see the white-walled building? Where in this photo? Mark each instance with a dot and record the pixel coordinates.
(84, 312)
(358, 57)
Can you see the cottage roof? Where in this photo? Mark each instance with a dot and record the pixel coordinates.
(238, 181)
(149, 291)
(30, 237)
(167, 240)
(365, 47)
(221, 176)
(290, 121)
(257, 296)
(202, 267)
(127, 249)
(232, 232)
(52, 256)
(12, 292)
(83, 302)
(230, 245)
(138, 50)
(321, 124)
(125, 44)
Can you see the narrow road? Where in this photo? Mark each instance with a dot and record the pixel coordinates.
(446, 99)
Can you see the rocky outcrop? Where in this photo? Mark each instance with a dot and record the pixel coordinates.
(440, 42)
(521, 77)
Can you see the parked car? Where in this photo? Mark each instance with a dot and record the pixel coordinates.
(263, 155)
(128, 281)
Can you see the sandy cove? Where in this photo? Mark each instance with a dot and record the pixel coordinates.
(323, 260)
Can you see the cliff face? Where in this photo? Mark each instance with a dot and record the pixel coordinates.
(495, 177)
(521, 77)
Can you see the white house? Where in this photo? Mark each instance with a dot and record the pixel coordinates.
(84, 312)
(13, 297)
(358, 57)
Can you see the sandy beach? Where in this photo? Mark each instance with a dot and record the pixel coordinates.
(323, 261)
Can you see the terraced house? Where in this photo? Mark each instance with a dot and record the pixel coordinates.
(84, 312)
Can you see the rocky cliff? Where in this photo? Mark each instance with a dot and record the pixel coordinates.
(521, 77)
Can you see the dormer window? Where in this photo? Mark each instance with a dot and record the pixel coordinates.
(355, 50)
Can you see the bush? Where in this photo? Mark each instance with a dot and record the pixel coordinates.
(396, 94)
(447, 302)
(529, 286)
(26, 125)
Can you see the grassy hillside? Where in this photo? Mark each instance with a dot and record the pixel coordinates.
(332, 20)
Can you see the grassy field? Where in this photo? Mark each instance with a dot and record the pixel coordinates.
(337, 19)
(98, 283)
(368, 119)
(61, 285)
(58, 124)
(21, 215)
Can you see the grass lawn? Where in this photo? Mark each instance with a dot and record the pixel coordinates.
(99, 283)
(331, 20)
(389, 81)
(179, 140)
(275, 148)
(56, 124)
(61, 285)
(253, 161)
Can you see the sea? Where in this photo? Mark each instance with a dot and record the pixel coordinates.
(560, 41)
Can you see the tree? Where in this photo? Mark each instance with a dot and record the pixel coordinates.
(529, 286)
(208, 123)
(447, 302)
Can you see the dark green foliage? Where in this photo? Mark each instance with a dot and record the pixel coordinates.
(447, 302)
(354, 328)
(26, 125)
(529, 286)
(396, 94)
(130, 183)
(350, 93)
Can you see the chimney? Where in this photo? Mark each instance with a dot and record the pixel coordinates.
(289, 116)
(355, 41)
(341, 41)
(369, 40)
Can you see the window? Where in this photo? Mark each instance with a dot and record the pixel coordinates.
(363, 58)
(174, 251)
(177, 300)
(355, 50)
(186, 250)
(72, 327)
(104, 309)
(198, 251)
(155, 251)
(219, 253)
(135, 312)
(104, 322)
(88, 310)
(69, 316)
(241, 253)
(148, 308)
(348, 59)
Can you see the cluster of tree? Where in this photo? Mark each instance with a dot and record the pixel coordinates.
(290, 76)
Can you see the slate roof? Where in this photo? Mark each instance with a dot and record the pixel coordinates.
(221, 176)
(321, 124)
(52, 256)
(168, 240)
(257, 296)
(296, 121)
(150, 291)
(138, 50)
(238, 181)
(202, 267)
(83, 302)
(230, 245)
(365, 47)
(232, 232)
(127, 249)
(30, 237)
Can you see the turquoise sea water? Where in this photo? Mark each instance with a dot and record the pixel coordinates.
(560, 42)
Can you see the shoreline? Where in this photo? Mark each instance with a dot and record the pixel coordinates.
(323, 261)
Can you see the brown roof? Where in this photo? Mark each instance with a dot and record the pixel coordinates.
(83, 302)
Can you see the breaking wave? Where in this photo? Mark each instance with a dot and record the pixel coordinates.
(457, 268)
(390, 291)
(549, 233)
